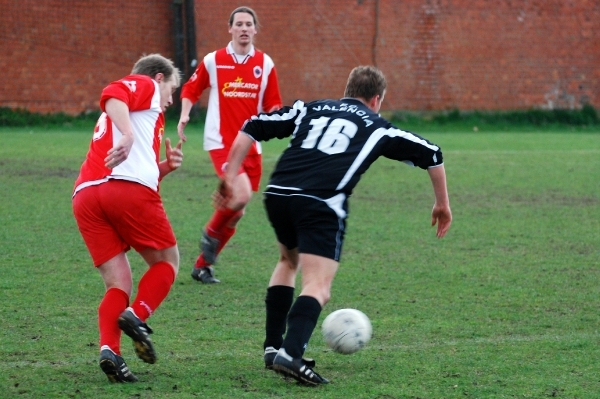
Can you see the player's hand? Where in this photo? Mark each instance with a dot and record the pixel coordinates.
(183, 121)
(120, 152)
(222, 195)
(442, 215)
(174, 155)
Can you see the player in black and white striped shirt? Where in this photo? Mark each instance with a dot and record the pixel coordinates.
(333, 142)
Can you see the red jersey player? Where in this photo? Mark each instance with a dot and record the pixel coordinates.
(117, 206)
(243, 82)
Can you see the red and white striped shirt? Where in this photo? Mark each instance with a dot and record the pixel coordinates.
(142, 96)
(238, 90)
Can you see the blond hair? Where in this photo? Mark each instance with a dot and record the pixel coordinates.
(152, 64)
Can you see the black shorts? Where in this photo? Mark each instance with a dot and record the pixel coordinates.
(313, 225)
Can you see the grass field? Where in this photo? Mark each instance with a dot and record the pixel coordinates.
(506, 306)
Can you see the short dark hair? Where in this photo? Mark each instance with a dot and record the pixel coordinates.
(152, 64)
(365, 82)
(247, 10)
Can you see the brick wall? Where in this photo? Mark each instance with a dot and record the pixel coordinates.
(57, 55)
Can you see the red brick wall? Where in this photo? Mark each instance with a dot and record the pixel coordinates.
(57, 55)
(437, 54)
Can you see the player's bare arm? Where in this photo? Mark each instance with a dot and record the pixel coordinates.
(441, 213)
(118, 112)
(186, 107)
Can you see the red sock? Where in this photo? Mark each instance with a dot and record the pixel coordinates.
(115, 301)
(224, 234)
(220, 219)
(153, 288)
(200, 262)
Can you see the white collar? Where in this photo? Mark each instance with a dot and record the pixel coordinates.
(239, 58)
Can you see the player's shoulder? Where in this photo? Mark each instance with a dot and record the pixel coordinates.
(323, 102)
(131, 89)
(134, 82)
(217, 51)
(213, 58)
(258, 51)
(333, 105)
(261, 55)
(138, 78)
(220, 53)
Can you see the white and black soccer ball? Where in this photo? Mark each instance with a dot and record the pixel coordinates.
(346, 330)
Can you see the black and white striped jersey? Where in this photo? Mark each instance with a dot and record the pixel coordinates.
(333, 143)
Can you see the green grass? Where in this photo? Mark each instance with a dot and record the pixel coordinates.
(532, 120)
(505, 306)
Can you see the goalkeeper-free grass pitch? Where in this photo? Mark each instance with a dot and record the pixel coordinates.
(505, 306)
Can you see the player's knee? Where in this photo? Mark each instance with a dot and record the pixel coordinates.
(289, 264)
(289, 259)
(242, 194)
(169, 255)
(239, 201)
(125, 286)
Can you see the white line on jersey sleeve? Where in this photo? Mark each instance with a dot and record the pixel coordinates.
(370, 144)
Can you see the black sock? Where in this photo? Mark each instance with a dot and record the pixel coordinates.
(302, 320)
(278, 301)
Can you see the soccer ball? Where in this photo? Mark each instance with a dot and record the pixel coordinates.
(346, 330)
